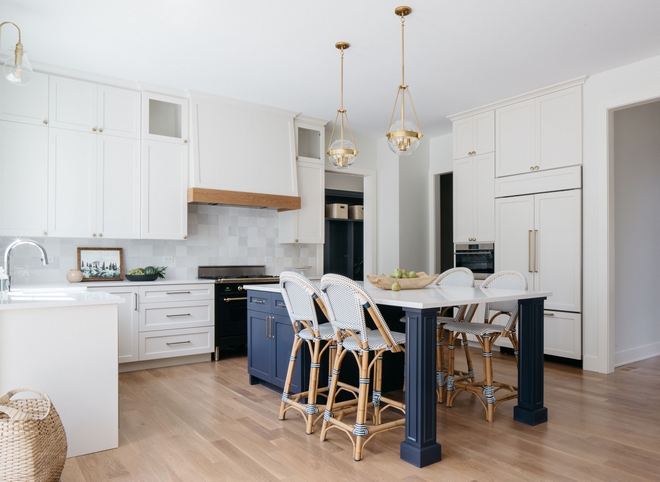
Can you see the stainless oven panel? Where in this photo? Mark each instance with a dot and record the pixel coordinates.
(479, 258)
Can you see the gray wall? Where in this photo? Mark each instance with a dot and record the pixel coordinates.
(637, 228)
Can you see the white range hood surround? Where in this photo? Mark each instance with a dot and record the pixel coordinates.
(242, 154)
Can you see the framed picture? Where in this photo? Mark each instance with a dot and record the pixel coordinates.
(101, 264)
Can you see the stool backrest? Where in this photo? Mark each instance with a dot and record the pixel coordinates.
(300, 296)
(346, 302)
(505, 280)
(462, 277)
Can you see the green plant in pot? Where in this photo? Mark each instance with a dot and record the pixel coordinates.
(148, 273)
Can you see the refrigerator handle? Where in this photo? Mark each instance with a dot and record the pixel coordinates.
(529, 251)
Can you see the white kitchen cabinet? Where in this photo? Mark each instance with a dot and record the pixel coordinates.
(562, 334)
(164, 118)
(27, 104)
(540, 133)
(127, 323)
(23, 179)
(94, 187)
(310, 139)
(474, 199)
(164, 181)
(306, 225)
(474, 135)
(88, 107)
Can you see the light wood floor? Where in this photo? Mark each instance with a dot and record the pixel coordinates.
(204, 422)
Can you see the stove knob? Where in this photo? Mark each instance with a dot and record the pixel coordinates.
(240, 288)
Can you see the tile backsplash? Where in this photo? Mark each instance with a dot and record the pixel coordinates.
(217, 235)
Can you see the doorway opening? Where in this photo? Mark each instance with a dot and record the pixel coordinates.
(444, 223)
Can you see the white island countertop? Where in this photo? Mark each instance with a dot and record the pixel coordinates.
(30, 298)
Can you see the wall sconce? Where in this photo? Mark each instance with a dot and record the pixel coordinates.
(17, 69)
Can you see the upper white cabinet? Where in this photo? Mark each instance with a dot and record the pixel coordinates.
(88, 107)
(164, 213)
(540, 133)
(239, 146)
(165, 118)
(23, 179)
(26, 104)
(474, 135)
(310, 139)
(474, 199)
(306, 225)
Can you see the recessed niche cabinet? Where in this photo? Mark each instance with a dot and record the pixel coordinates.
(344, 238)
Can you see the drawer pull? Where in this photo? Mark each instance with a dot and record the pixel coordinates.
(259, 302)
(178, 343)
(280, 304)
(181, 314)
(177, 292)
(546, 313)
(227, 300)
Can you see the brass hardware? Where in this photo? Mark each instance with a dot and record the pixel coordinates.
(296, 240)
(100, 129)
(17, 68)
(177, 343)
(537, 168)
(227, 300)
(93, 235)
(45, 233)
(100, 235)
(531, 168)
(185, 141)
(177, 292)
(181, 314)
(94, 129)
(403, 139)
(185, 237)
(341, 152)
(240, 288)
(45, 121)
(547, 313)
(536, 250)
(529, 251)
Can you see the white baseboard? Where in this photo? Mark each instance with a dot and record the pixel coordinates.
(163, 362)
(636, 354)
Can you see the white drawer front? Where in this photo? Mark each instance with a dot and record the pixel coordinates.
(183, 314)
(171, 343)
(183, 292)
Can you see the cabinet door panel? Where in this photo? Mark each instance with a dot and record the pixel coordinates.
(483, 128)
(305, 225)
(464, 200)
(259, 345)
(119, 112)
(562, 334)
(118, 189)
(127, 323)
(558, 220)
(462, 138)
(72, 104)
(559, 128)
(514, 225)
(23, 179)
(515, 138)
(283, 331)
(484, 173)
(164, 182)
(28, 103)
(72, 184)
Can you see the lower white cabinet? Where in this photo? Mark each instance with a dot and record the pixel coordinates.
(180, 323)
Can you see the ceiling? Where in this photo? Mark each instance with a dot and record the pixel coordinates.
(459, 54)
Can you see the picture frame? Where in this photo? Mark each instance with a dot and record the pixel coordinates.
(101, 264)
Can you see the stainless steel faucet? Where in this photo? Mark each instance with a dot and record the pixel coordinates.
(44, 256)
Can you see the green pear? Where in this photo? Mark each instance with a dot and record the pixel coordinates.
(412, 274)
(396, 286)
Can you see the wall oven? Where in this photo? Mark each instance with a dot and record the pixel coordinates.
(480, 258)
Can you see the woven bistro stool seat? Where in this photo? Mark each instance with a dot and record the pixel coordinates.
(487, 333)
(300, 297)
(346, 303)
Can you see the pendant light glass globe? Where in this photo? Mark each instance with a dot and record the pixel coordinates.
(342, 153)
(403, 139)
(17, 73)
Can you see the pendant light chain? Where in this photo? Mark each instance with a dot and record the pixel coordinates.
(341, 152)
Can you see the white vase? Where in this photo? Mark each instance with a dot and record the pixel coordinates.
(74, 276)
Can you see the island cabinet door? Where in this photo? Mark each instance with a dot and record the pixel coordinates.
(283, 333)
(260, 345)
(127, 322)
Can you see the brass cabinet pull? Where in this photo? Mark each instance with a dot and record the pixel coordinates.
(227, 300)
(94, 129)
(181, 314)
(100, 129)
(100, 235)
(547, 313)
(536, 250)
(45, 121)
(177, 342)
(529, 251)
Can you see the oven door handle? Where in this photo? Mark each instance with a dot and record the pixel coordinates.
(227, 300)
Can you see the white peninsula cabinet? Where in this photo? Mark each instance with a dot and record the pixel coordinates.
(306, 225)
(474, 199)
(474, 135)
(541, 133)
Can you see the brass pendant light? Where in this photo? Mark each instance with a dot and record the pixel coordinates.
(403, 135)
(341, 152)
(17, 68)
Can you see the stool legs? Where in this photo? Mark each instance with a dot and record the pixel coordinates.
(439, 361)
(489, 390)
(360, 430)
(297, 342)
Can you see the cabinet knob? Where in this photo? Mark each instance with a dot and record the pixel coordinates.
(100, 235)
(185, 141)
(296, 240)
(100, 130)
(45, 121)
(536, 168)
(531, 168)
(93, 235)
(45, 233)
(185, 237)
(94, 129)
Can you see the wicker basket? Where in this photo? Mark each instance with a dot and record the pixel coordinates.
(32, 438)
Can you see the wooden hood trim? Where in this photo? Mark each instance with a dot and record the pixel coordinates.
(238, 198)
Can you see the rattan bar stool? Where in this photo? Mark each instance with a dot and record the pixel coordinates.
(346, 302)
(460, 277)
(300, 296)
(487, 333)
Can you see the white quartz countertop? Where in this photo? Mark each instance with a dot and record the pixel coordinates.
(431, 296)
(30, 298)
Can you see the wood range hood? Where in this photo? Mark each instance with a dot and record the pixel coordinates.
(200, 195)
